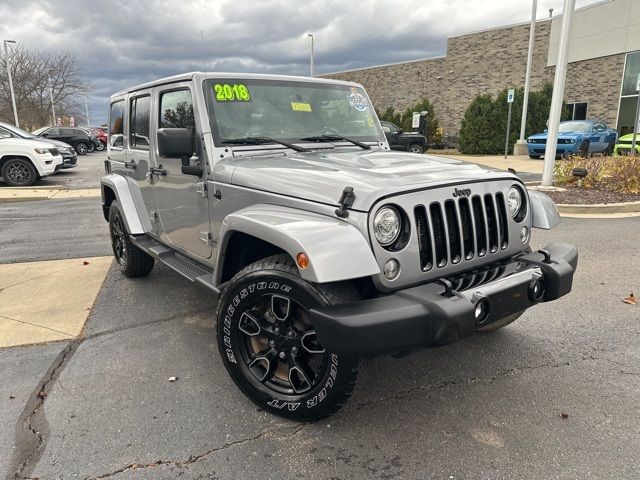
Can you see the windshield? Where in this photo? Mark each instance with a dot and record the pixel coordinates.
(574, 127)
(288, 111)
(17, 130)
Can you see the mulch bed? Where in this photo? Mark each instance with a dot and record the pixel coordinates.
(581, 196)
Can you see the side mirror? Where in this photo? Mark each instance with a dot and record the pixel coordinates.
(386, 129)
(195, 170)
(45, 134)
(400, 131)
(545, 131)
(174, 143)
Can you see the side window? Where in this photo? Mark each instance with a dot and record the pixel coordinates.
(68, 132)
(392, 128)
(5, 133)
(176, 111)
(116, 124)
(53, 132)
(139, 122)
(599, 127)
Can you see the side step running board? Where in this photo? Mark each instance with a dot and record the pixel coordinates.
(186, 267)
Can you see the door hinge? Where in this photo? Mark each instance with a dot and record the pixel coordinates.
(153, 216)
(207, 238)
(202, 189)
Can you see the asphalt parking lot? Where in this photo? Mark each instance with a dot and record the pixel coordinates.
(490, 407)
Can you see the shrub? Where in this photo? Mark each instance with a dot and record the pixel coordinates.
(617, 174)
(485, 120)
(403, 120)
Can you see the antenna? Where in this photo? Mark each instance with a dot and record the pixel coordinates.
(204, 69)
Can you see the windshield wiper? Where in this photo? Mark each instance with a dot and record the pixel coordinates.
(261, 141)
(333, 137)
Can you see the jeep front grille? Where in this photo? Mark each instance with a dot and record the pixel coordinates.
(460, 230)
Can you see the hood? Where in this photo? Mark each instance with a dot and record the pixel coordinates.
(570, 134)
(321, 176)
(629, 137)
(25, 143)
(57, 143)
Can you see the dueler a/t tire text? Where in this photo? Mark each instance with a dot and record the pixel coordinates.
(268, 344)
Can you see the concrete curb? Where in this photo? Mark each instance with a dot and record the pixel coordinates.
(11, 195)
(625, 207)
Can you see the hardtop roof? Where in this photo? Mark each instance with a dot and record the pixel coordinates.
(206, 75)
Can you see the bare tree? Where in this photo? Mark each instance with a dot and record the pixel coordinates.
(36, 77)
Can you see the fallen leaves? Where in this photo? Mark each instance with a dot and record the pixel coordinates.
(564, 415)
(173, 379)
(85, 263)
(631, 299)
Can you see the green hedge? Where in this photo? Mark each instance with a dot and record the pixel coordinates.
(485, 120)
(403, 120)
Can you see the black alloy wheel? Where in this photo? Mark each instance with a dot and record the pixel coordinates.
(270, 347)
(18, 172)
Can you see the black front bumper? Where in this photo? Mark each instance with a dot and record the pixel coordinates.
(69, 161)
(432, 315)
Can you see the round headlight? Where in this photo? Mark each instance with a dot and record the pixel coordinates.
(386, 225)
(514, 201)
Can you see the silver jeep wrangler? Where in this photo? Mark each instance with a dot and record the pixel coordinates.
(280, 196)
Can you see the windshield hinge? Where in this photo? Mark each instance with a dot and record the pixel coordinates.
(346, 200)
(201, 188)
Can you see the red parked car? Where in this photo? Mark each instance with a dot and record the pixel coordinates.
(101, 134)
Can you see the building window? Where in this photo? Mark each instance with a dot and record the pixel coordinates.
(629, 95)
(575, 111)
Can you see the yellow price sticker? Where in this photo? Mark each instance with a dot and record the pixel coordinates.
(370, 121)
(300, 107)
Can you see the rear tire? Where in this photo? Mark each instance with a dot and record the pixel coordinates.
(131, 261)
(535, 157)
(269, 346)
(415, 148)
(19, 172)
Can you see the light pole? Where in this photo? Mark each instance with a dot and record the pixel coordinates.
(13, 95)
(310, 35)
(521, 144)
(558, 93)
(86, 109)
(53, 108)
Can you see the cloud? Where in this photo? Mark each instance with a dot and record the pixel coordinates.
(121, 43)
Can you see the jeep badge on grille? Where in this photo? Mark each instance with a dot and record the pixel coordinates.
(465, 192)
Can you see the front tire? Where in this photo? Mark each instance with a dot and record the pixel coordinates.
(100, 147)
(131, 261)
(534, 157)
(415, 148)
(19, 172)
(269, 346)
(583, 151)
(81, 148)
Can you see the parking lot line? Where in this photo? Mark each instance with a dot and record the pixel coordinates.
(48, 301)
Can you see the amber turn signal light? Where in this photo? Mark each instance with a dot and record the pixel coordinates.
(302, 260)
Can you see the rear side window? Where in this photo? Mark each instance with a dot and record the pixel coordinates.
(176, 111)
(116, 124)
(139, 122)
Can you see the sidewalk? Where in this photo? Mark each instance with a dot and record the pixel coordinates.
(19, 194)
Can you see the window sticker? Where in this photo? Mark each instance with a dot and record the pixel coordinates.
(300, 107)
(370, 121)
(235, 92)
(357, 101)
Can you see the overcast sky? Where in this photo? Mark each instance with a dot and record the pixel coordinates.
(125, 42)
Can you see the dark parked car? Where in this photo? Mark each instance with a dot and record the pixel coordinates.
(69, 157)
(401, 140)
(76, 137)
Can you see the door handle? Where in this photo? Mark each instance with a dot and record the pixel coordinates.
(158, 171)
(131, 165)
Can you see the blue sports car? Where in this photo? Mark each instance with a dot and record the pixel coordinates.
(576, 137)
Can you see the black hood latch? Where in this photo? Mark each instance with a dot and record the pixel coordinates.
(346, 200)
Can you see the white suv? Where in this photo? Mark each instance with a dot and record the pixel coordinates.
(24, 161)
